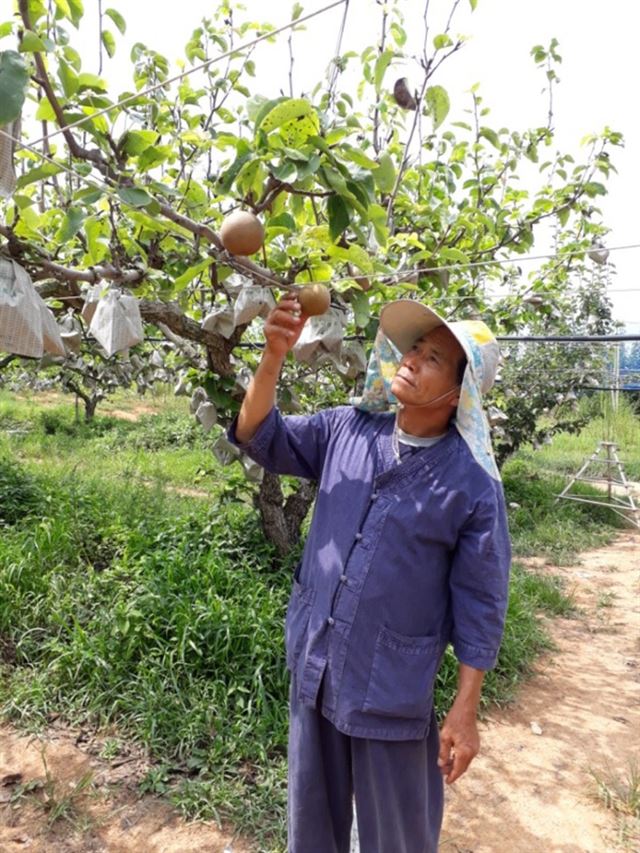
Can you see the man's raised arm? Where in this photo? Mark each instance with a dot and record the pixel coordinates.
(282, 329)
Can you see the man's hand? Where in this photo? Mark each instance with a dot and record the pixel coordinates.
(283, 327)
(459, 738)
(459, 743)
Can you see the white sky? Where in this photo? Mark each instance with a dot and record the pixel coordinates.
(598, 77)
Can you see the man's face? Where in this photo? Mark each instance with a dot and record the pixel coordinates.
(429, 369)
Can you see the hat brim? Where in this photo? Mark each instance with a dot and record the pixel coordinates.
(405, 321)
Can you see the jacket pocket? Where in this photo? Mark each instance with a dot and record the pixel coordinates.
(297, 619)
(402, 675)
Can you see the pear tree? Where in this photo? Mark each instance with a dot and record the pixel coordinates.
(207, 196)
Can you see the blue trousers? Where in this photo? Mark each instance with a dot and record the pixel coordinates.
(397, 786)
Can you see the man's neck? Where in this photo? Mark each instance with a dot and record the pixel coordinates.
(422, 422)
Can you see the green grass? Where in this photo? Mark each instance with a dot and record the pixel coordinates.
(124, 603)
(167, 449)
(540, 525)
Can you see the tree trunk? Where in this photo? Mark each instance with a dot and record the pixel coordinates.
(282, 520)
(90, 405)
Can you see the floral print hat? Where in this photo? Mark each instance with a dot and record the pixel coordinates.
(401, 324)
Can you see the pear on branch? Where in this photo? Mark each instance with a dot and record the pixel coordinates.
(403, 96)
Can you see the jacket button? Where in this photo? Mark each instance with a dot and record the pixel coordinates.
(374, 496)
(343, 578)
(331, 621)
(358, 537)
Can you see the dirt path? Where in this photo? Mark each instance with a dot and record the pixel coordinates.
(530, 790)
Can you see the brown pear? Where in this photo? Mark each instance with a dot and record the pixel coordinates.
(314, 299)
(242, 233)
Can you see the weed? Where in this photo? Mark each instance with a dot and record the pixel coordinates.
(621, 796)
(110, 749)
(47, 793)
(606, 599)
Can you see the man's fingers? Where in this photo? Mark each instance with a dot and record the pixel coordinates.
(462, 758)
(444, 755)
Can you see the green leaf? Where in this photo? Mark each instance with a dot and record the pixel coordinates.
(97, 241)
(88, 195)
(134, 142)
(361, 308)
(339, 218)
(385, 175)
(473, 4)
(453, 255)
(382, 63)
(64, 8)
(71, 224)
(188, 275)
(243, 156)
(117, 19)
(359, 158)
(14, 82)
(259, 106)
(285, 171)
(291, 109)
(31, 43)
(491, 135)
(6, 29)
(378, 218)
(437, 104)
(309, 168)
(91, 81)
(360, 258)
(593, 188)
(73, 57)
(135, 196)
(153, 156)
(399, 35)
(68, 78)
(38, 174)
(295, 118)
(77, 11)
(442, 40)
(296, 11)
(108, 41)
(282, 220)
(45, 111)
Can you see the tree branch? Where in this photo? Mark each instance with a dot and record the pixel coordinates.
(171, 315)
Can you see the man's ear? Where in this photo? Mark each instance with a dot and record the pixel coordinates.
(455, 400)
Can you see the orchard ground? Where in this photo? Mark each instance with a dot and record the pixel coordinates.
(559, 770)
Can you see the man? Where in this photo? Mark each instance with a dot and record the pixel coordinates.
(408, 550)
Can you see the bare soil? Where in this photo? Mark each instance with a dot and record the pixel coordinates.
(533, 787)
(531, 790)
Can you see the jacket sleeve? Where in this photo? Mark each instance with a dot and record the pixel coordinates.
(294, 445)
(479, 582)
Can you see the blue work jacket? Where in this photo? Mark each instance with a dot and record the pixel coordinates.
(401, 559)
